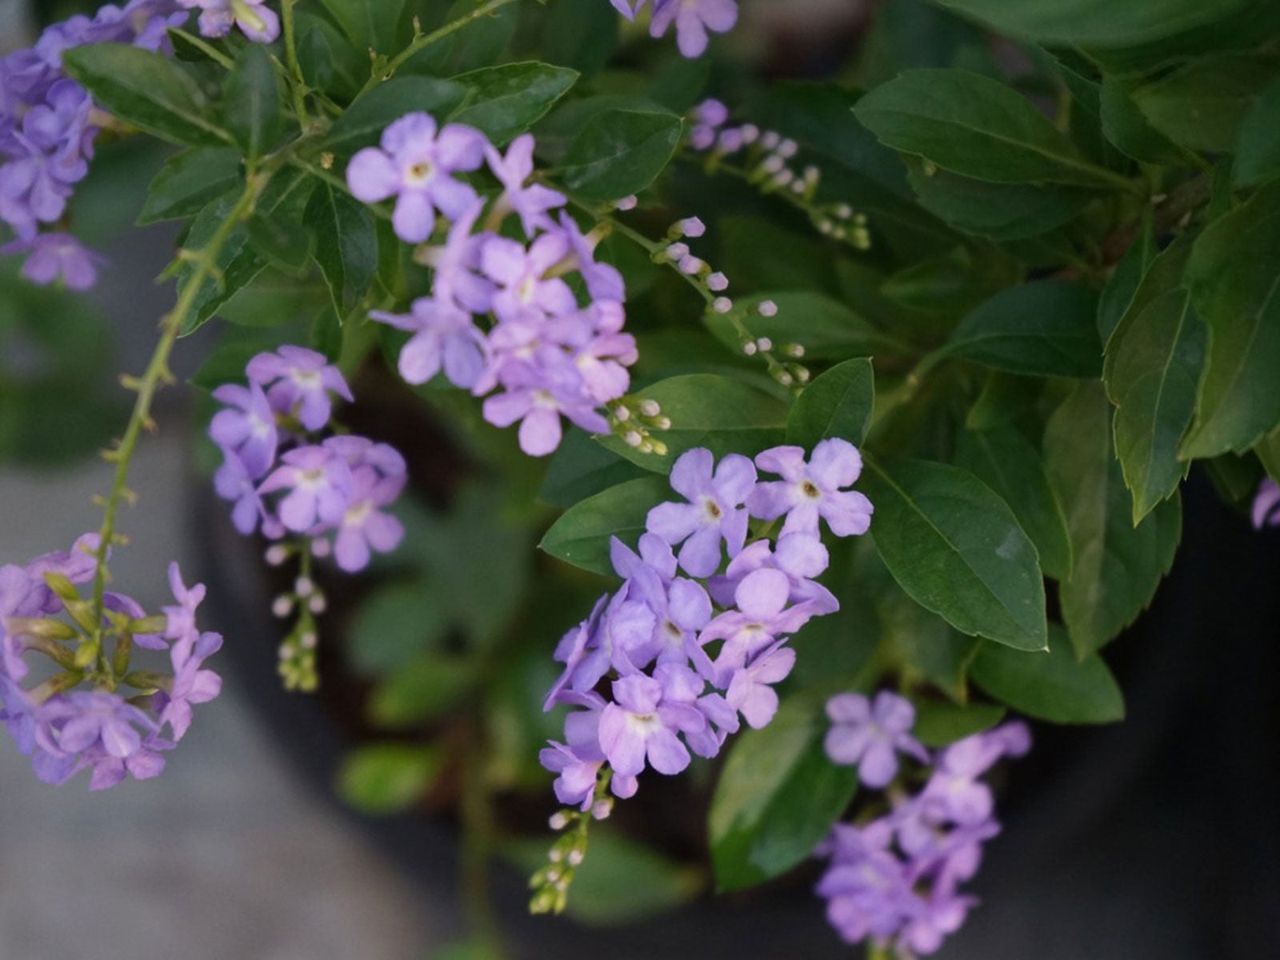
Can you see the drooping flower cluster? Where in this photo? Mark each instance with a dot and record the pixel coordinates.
(694, 20)
(895, 880)
(502, 315)
(48, 126)
(695, 640)
(255, 19)
(291, 478)
(1266, 505)
(78, 719)
(766, 160)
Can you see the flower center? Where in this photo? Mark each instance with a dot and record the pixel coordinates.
(643, 723)
(419, 173)
(809, 490)
(544, 398)
(358, 514)
(528, 287)
(712, 509)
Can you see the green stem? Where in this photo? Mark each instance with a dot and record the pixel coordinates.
(427, 39)
(477, 841)
(208, 49)
(297, 85)
(157, 374)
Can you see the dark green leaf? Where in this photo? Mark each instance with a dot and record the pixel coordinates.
(1052, 686)
(778, 796)
(836, 404)
(581, 468)
(1201, 105)
(147, 90)
(940, 724)
(952, 284)
(1047, 327)
(252, 101)
(505, 101)
(1123, 282)
(1101, 22)
(346, 245)
(824, 327)
(956, 548)
(284, 243)
(706, 410)
(397, 623)
(581, 536)
(998, 211)
(977, 127)
(481, 42)
(1003, 459)
(1233, 279)
(1258, 142)
(188, 182)
(1117, 566)
(363, 122)
(371, 24)
(1127, 128)
(385, 778)
(619, 153)
(329, 62)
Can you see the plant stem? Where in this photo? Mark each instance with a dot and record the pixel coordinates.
(208, 49)
(157, 374)
(298, 85)
(427, 39)
(477, 840)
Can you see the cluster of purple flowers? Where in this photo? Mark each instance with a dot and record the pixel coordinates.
(286, 479)
(685, 650)
(693, 19)
(47, 130)
(548, 355)
(66, 729)
(896, 879)
(1266, 505)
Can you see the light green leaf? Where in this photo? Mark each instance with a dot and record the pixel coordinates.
(396, 623)
(386, 778)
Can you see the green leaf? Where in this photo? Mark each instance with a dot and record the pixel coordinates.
(421, 690)
(1232, 274)
(385, 778)
(998, 211)
(1117, 566)
(924, 643)
(825, 328)
(956, 548)
(346, 245)
(952, 284)
(1003, 459)
(581, 468)
(620, 880)
(940, 724)
(398, 622)
(188, 181)
(1124, 125)
(620, 152)
(778, 796)
(1101, 22)
(1052, 686)
(371, 24)
(581, 536)
(1258, 140)
(329, 62)
(1268, 451)
(252, 101)
(1123, 283)
(361, 125)
(147, 90)
(286, 244)
(1046, 328)
(505, 101)
(977, 127)
(1201, 105)
(481, 42)
(838, 403)
(707, 410)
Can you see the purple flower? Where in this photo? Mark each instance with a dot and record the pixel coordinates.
(415, 163)
(954, 793)
(530, 202)
(108, 771)
(131, 608)
(246, 428)
(57, 256)
(751, 692)
(299, 382)
(872, 734)
(18, 598)
(79, 565)
(634, 728)
(603, 280)
(525, 293)
(443, 336)
(81, 720)
(192, 684)
(1266, 505)
(800, 556)
(378, 476)
(811, 490)
(536, 397)
(761, 618)
(319, 484)
(693, 18)
(180, 619)
(256, 21)
(233, 482)
(578, 760)
(714, 511)
(457, 278)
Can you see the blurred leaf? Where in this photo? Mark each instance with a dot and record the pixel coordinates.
(1117, 566)
(505, 101)
(1258, 140)
(1003, 211)
(395, 624)
(385, 778)
(1118, 294)
(956, 548)
(1232, 274)
(420, 690)
(1131, 132)
(581, 34)
(940, 724)
(1003, 459)
(826, 328)
(1098, 22)
(838, 403)
(188, 181)
(581, 536)
(952, 284)
(707, 411)
(1201, 105)
(620, 152)
(1046, 327)
(1052, 686)
(778, 795)
(252, 99)
(147, 90)
(977, 127)
(620, 881)
(346, 245)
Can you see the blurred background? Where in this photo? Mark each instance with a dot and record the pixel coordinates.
(1154, 839)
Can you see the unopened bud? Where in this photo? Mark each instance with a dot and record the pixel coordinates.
(765, 344)
(632, 438)
(721, 304)
(717, 282)
(317, 603)
(321, 548)
(627, 203)
(692, 227)
(650, 408)
(282, 606)
(767, 308)
(622, 413)
(559, 820)
(601, 809)
(750, 348)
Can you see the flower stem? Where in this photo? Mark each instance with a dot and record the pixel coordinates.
(297, 85)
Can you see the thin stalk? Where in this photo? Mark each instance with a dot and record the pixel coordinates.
(208, 49)
(298, 85)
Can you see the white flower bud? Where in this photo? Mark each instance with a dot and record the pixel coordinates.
(650, 408)
(633, 438)
(677, 251)
(321, 548)
(750, 348)
(770, 139)
(767, 308)
(277, 554)
(627, 203)
(722, 305)
(575, 857)
(750, 133)
(559, 820)
(691, 265)
(764, 343)
(717, 282)
(787, 148)
(282, 606)
(692, 227)
(601, 809)
(317, 603)
(303, 586)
